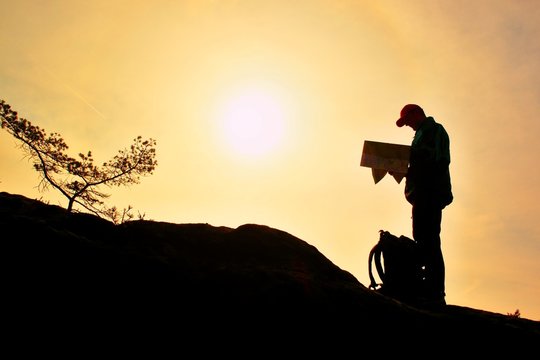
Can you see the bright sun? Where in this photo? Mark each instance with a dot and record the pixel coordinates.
(252, 122)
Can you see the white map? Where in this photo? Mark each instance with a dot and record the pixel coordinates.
(385, 158)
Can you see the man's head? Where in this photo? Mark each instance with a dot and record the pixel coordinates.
(411, 115)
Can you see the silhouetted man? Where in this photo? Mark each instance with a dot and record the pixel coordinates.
(428, 189)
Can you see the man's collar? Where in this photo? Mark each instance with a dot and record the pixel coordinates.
(428, 121)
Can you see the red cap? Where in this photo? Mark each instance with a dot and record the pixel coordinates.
(407, 109)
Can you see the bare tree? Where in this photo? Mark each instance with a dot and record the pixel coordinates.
(78, 179)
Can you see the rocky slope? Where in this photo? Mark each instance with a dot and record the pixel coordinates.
(257, 284)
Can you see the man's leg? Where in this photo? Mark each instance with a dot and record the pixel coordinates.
(426, 232)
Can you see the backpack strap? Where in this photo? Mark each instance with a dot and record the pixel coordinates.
(375, 256)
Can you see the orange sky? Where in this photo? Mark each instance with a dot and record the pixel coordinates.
(260, 110)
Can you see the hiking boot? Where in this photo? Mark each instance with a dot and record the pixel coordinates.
(431, 303)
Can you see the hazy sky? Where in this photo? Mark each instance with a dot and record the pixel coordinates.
(260, 110)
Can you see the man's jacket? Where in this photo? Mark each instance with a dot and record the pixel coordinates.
(428, 177)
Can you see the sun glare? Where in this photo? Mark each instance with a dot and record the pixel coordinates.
(252, 123)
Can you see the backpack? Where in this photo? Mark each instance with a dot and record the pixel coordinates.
(398, 267)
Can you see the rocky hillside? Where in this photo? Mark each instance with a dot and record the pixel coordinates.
(257, 284)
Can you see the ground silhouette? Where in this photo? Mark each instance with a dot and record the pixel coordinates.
(254, 284)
